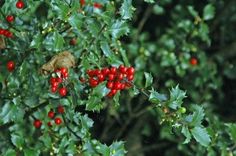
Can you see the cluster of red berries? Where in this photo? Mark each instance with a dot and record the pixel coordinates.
(58, 78)
(52, 115)
(6, 33)
(95, 5)
(117, 78)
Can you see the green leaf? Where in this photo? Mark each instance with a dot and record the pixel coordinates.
(76, 21)
(149, 1)
(231, 128)
(106, 49)
(10, 152)
(200, 135)
(31, 152)
(117, 149)
(208, 12)
(158, 10)
(186, 133)
(156, 97)
(127, 9)
(118, 29)
(176, 97)
(148, 78)
(197, 116)
(192, 11)
(17, 140)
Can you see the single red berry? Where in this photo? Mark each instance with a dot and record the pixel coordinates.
(93, 82)
(97, 5)
(193, 61)
(130, 71)
(53, 89)
(111, 77)
(51, 114)
(112, 93)
(117, 85)
(10, 18)
(130, 77)
(49, 124)
(54, 84)
(10, 66)
(20, 4)
(82, 2)
(101, 77)
(37, 123)
(73, 41)
(105, 71)
(97, 72)
(63, 91)
(122, 69)
(122, 86)
(90, 72)
(63, 70)
(120, 76)
(52, 80)
(60, 109)
(58, 121)
(2, 31)
(59, 80)
(110, 84)
(113, 70)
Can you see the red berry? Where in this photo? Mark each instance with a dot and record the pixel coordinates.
(58, 121)
(52, 80)
(59, 80)
(54, 84)
(97, 72)
(105, 71)
(10, 66)
(73, 41)
(117, 86)
(111, 77)
(49, 124)
(101, 77)
(120, 76)
(10, 18)
(63, 91)
(53, 89)
(130, 77)
(97, 5)
(2, 31)
(37, 123)
(20, 4)
(93, 82)
(60, 109)
(51, 114)
(63, 70)
(90, 72)
(110, 84)
(193, 61)
(122, 69)
(113, 70)
(122, 86)
(82, 2)
(130, 71)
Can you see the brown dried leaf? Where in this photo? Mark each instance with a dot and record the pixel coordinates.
(63, 59)
(2, 43)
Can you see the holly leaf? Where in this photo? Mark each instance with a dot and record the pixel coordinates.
(126, 9)
(200, 135)
(231, 128)
(185, 131)
(197, 116)
(118, 29)
(208, 12)
(148, 78)
(176, 97)
(156, 97)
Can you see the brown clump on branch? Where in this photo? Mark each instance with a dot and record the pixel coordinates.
(2, 43)
(64, 59)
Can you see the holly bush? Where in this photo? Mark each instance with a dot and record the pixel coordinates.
(113, 78)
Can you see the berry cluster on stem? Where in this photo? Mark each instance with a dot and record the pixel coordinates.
(117, 78)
